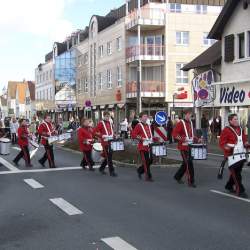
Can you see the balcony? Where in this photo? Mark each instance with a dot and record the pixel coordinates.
(152, 52)
(148, 89)
(154, 17)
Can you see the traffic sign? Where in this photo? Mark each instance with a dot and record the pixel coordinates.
(161, 118)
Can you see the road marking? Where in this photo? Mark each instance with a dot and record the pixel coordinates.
(66, 206)
(33, 183)
(117, 243)
(16, 148)
(8, 165)
(18, 171)
(230, 195)
(33, 152)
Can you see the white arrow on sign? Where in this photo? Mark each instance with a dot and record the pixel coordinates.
(162, 118)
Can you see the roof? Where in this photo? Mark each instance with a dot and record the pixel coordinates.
(223, 18)
(61, 47)
(105, 21)
(31, 87)
(21, 90)
(11, 90)
(210, 56)
(49, 56)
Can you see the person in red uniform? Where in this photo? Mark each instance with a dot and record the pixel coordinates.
(184, 134)
(23, 142)
(143, 133)
(229, 138)
(45, 130)
(85, 139)
(104, 130)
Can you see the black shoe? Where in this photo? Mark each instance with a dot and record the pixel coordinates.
(102, 172)
(53, 166)
(16, 163)
(179, 181)
(42, 163)
(192, 185)
(113, 174)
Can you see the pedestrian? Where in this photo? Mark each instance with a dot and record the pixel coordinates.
(214, 130)
(142, 132)
(85, 140)
(234, 140)
(184, 134)
(33, 126)
(13, 130)
(170, 127)
(23, 142)
(104, 130)
(204, 127)
(124, 128)
(46, 130)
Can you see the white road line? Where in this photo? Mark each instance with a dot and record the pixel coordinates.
(33, 152)
(33, 183)
(18, 171)
(230, 195)
(8, 165)
(66, 206)
(117, 243)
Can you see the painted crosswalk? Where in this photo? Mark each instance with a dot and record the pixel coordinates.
(118, 243)
(66, 206)
(230, 195)
(33, 183)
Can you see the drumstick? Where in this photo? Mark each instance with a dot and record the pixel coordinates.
(221, 169)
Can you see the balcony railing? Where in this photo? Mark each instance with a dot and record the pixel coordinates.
(155, 15)
(151, 50)
(148, 89)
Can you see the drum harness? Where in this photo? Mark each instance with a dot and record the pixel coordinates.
(106, 131)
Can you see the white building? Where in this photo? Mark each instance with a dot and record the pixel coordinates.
(30, 104)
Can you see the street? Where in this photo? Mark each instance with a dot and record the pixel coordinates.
(100, 212)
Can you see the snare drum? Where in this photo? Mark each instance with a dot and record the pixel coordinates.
(34, 144)
(198, 151)
(147, 142)
(233, 159)
(52, 139)
(159, 149)
(117, 145)
(64, 137)
(96, 152)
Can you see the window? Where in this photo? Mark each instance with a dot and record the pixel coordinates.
(100, 81)
(109, 48)
(101, 51)
(109, 79)
(43, 76)
(119, 76)
(207, 41)
(86, 86)
(181, 76)
(175, 7)
(201, 9)
(229, 48)
(85, 58)
(40, 78)
(119, 43)
(241, 42)
(182, 37)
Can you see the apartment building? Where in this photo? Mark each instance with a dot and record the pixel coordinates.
(45, 85)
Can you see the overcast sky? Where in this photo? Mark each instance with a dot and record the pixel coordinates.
(28, 29)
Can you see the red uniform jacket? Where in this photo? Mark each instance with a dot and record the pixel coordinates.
(180, 135)
(23, 136)
(45, 131)
(100, 131)
(138, 131)
(228, 137)
(85, 134)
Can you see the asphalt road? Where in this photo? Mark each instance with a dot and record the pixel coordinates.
(118, 213)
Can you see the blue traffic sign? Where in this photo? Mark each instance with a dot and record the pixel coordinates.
(161, 118)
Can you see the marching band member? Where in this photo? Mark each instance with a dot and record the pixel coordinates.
(104, 130)
(184, 134)
(23, 142)
(45, 130)
(234, 138)
(85, 138)
(143, 133)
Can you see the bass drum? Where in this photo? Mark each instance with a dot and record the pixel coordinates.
(97, 152)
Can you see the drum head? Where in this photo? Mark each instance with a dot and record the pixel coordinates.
(97, 147)
(4, 140)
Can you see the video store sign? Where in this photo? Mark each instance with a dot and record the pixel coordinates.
(233, 95)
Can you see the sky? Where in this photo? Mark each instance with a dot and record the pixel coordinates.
(29, 28)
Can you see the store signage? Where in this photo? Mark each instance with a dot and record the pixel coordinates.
(233, 94)
(203, 90)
